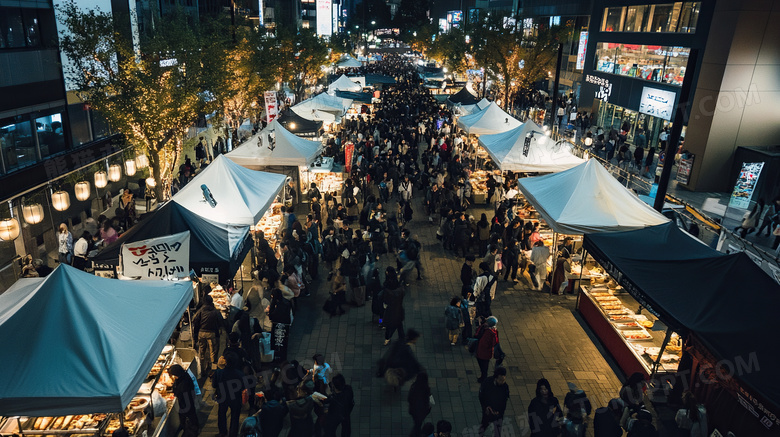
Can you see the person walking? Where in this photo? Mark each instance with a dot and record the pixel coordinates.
(488, 339)
(485, 290)
(399, 363)
(419, 402)
(301, 418)
(184, 390)
(393, 298)
(544, 411)
(272, 414)
(340, 405)
(578, 408)
(467, 276)
(453, 320)
(750, 219)
(228, 383)
(539, 256)
(493, 398)
(606, 420)
(65, 245)
(692, 418)
(206, 326)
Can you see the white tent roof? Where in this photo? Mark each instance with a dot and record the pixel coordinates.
(463, 110)
(76, 343)
(544, 155)
(348, 61)
(344, 84)
(585, 199)
(289, 150)
(491, 120)
(242, 195)
(312, 108)
(482, 104)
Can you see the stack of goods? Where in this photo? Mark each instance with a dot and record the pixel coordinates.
(221, 300)
(270, 223)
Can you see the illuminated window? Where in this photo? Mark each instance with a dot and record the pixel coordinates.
(666, 17)
(647, 62)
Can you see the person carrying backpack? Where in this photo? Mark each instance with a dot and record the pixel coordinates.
(485, 290)
(639, 426)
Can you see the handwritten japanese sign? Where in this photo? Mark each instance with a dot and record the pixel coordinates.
(157, 258)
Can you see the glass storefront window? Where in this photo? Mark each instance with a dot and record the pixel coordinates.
(51, 134)
(653, 63)
(80, 130)
(17, 143)
(11, 28)
(667, 17)
(613, 20)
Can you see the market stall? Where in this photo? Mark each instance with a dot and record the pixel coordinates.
(722, 306)
(527, 149)
(344, 84)
(323, 107)
(464, 97)
(298, 125)
(461, 110)
(348, 61)
(491, 120)
(86, 362)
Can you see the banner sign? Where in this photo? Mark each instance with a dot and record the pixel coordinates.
(684, 169)
(324, 17)
(157, 258)
(349, 150)
(581, 50)
(657, 103)
(271, 106)
(746, 184)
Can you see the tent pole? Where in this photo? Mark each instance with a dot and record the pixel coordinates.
(661, 352)
(582, 269)
(192, 333)
(554, 260)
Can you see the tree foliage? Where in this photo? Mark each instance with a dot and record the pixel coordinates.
(451, 49)
(151, 103)
(302, 56)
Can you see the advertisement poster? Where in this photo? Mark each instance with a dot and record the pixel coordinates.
(271, 106)
(581, 50)
(684, 169)
(157, 258)
(746, 184)
(657, 103)
(349, 150)
(324, 17)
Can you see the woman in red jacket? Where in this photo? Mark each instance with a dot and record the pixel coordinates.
(488, 339)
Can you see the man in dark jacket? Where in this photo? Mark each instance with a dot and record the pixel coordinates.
(461, 234)
(228, 383)
(340, 405)
(206, 326)
(467, 275)
(493, 397)
(272, 415)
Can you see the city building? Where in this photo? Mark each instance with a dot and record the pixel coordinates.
(638, 56)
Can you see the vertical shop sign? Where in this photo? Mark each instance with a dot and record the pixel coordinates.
(581, 50)
(684, 169)
(157, 258)
(746, 184)
(349, 150)
(271, 106)
(324, 17)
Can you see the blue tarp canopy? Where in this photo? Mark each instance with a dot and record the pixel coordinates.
(356, 97)
(75, 343)
(212, 245)
(727, 301)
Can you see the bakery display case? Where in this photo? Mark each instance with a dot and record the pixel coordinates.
(270, 223)
(321, 172)
(633, 336)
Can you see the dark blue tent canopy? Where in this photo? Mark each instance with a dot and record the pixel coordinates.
(727, 301)
(357, 97)
(298, 125)
(464, 97)
(210, 242)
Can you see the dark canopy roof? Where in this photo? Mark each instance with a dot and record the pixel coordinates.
(209, 242)
(356, 97)
(726, 300)
(302, 126)
(372, 79)
(464, 97)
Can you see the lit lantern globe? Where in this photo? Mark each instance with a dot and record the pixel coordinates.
(9, 229)
(82, 190)
(114, 173)
(141, 161)
(60, 200)
(33, 213)
(101, 179)
(130, 167)
(151, 183)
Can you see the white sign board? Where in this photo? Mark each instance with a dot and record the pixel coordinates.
(324, 17)
(657, 103)
(157, 258)
(581, 50)
(271, 106)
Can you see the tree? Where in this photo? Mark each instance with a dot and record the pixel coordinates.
(339, 44)
(302, 56)
(451, 49)
(151, 97)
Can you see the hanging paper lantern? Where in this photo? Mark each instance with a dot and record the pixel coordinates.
(101, 179)
(114, 173)
(151, 183)
(130, 167)
(33, 213)
(141, 161)
(82, 190)
(60, 200)
(9, 229)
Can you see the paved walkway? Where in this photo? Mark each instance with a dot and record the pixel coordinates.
(541, 335)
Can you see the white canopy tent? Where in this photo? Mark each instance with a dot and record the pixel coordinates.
(491, 120)
(587, 198)
(288, 149)
(544, 155)
(242, 195)
(76, 343)
(343, 83)
(323, 107)
(463, 110)
(348, 61)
